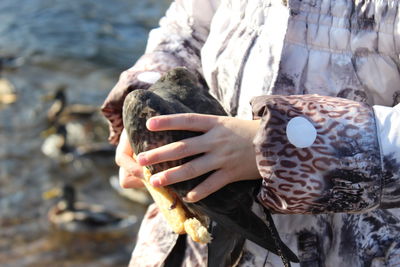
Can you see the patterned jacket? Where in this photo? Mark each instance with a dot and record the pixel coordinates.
(336, 63)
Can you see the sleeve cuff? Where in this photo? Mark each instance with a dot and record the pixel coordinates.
(340, 171)
(388, 128)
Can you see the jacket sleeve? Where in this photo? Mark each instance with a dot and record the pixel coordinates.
(177, 42)
(320, 154)
(388, 122)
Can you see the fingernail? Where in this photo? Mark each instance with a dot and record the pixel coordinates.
(141, 158)
(155, 181)
(150, 124)
(189, 197)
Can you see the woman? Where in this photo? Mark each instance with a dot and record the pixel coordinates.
(340, 182)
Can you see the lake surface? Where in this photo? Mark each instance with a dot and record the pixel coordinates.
(45, 46)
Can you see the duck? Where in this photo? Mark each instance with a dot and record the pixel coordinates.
(58, 146)
(72, 216)
(61, 112)
(72, 130)
(230, 219)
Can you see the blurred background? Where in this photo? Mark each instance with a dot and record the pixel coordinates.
(60, 202)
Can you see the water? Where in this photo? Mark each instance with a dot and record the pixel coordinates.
(81, 46)
(26, 238)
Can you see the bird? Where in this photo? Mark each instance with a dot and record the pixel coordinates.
(227, 211)
(83, 216)
(62, 112)
(72, 130)
(58, 146)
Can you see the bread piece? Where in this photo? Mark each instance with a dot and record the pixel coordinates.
(169, 205)
(174, 213)
(197, 231)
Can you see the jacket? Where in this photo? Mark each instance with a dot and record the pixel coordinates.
(335, 63)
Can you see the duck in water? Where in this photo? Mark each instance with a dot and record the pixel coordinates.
(81, 216)
(73, 130)
(61, 112)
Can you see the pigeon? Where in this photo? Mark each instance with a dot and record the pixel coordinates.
(228, 211)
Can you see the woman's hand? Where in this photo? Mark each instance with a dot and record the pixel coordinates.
(227, 147)
(130, 172)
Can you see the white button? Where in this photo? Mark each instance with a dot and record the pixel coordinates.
(300, 132)
(149, 76)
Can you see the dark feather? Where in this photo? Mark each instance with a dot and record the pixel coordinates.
(226, 246)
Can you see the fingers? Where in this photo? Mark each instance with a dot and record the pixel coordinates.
(129, 181)
(124, 146)
(130, 172)
(191, 169)
(184, 121)
(173, 151)
(213, 183)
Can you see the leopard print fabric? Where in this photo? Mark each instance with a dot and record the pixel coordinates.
(340, 172)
